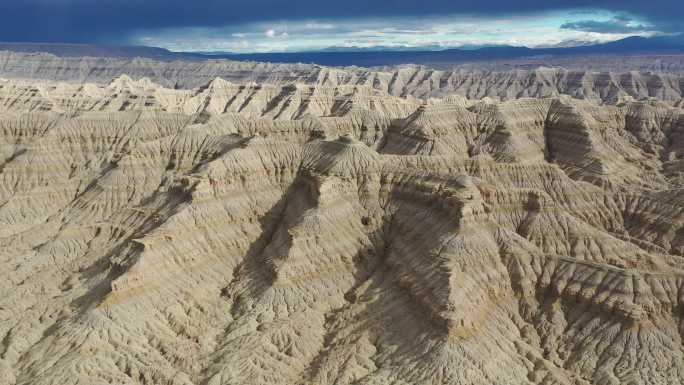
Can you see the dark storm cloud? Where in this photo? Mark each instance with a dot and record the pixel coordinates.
(114, 20)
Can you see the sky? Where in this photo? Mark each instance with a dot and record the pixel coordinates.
(301, 25)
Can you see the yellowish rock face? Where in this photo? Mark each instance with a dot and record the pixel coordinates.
(269, 233)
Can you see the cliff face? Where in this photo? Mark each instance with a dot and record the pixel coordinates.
(417, 81)
(336, 234)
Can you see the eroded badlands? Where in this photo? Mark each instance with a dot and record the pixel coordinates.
(271, 233)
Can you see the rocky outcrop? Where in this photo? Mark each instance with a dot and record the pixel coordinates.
(336, 234)
(472, 81)
(275, 102)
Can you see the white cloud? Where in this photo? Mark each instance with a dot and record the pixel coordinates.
(315, 25)
(444, 31)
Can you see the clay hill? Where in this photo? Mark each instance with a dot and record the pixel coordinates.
(297, 224)
(607, 79)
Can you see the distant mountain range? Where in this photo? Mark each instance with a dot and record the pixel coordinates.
(628, 46)
(69, 50)
(376, 56)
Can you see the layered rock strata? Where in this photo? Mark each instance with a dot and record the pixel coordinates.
(610, 84)
(292, 234)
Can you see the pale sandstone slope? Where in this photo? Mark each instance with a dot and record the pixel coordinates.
(476, 81)
(292, 234)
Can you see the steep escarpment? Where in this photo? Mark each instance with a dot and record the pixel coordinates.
(336, 234)
(472, 81)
